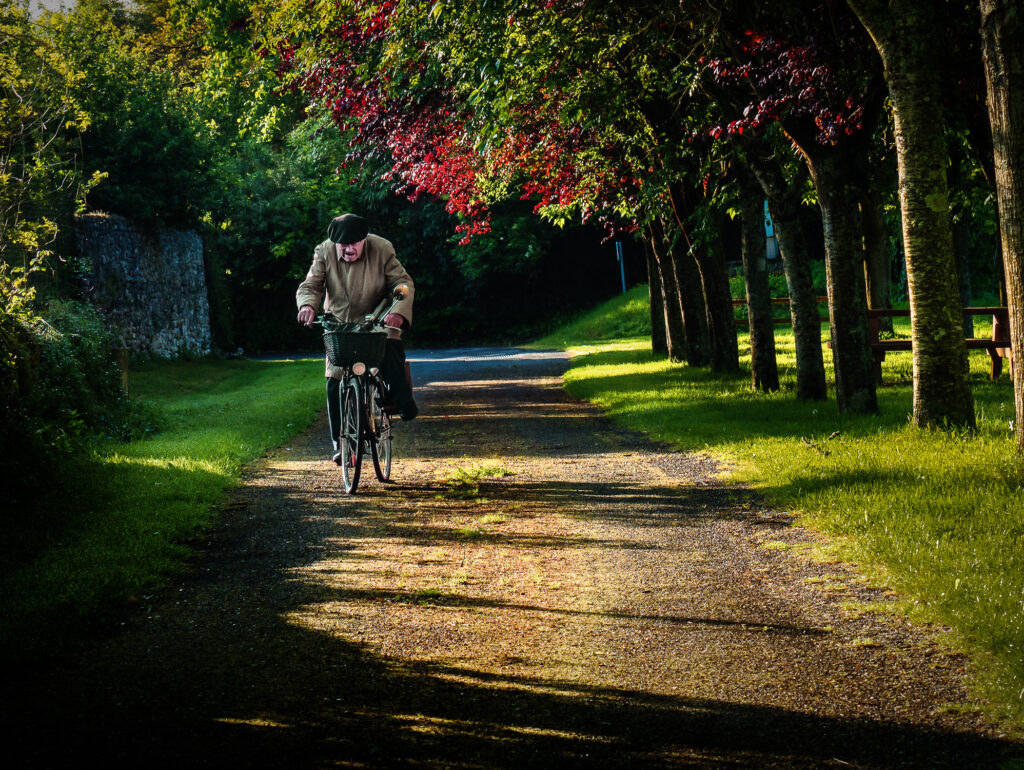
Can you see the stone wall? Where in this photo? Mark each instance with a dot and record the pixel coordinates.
(149, 281)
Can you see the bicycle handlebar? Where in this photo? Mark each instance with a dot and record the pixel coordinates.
(371, 320)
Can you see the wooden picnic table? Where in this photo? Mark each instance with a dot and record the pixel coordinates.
(998, 346)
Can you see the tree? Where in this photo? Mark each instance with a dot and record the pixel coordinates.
(672, 323)
(40, 120)
(143, 138)
(763, 366)
(904, 33)
(810, 71)
(1002, 34)
(784, 192)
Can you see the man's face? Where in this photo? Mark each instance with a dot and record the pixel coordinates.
(350, 252)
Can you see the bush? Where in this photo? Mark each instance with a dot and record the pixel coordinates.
(61, 389)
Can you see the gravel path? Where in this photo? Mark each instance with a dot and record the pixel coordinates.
(536, 588)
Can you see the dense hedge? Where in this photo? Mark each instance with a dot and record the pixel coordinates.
(61, 390)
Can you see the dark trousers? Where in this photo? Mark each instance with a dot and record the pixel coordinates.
(392, 370)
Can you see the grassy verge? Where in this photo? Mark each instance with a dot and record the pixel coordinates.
(124, 518)
(939, 516)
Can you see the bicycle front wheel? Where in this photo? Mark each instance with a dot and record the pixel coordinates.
(351, 435)
(380, 445)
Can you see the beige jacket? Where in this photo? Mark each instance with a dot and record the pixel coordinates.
(351, 290)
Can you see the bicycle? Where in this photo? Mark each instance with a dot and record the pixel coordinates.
(358, 348)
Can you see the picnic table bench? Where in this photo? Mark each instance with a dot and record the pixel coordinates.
(998, 346)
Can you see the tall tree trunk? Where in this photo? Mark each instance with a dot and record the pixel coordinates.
(832, 172)
(1002, 35)
(876, 256)
(675, 332)
(764, 370)
(659, 339)
(714, 278)
(962, 254)
(691, 296)
(784, 204)
(961, 239)
(904, 33)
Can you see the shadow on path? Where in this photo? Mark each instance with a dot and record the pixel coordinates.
(219, 673)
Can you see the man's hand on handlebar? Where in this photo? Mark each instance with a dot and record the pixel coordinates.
(394, 320)
(307, 315)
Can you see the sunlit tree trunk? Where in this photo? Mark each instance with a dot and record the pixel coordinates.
(784, 204)
(689, 295)
(905, 34)
(1002, 34)
(833, 173)
(764, 371)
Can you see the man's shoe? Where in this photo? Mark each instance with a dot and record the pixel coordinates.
(337, 458)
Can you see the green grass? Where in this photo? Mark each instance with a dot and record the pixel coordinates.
(939, 516)
(124, 520)
(624, 316)
(463, 483)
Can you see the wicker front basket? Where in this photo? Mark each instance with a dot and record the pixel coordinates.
(346, 348)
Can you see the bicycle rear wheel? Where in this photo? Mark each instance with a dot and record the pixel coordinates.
(380, 444)
(351, 435)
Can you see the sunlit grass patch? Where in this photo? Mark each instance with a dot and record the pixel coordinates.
(623, 316)
(492, 518)
(463, 483)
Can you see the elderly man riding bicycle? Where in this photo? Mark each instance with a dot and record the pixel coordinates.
(353, 273)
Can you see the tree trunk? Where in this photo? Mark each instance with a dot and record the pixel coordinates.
(876, 256)
(961, 239)
(714, 278)
(764, 370)
(691, 296)
(904, 33)
(961, 254)
(838, 194)
(675, 332)
(1002, 34)
(659, 340)
(784, 204)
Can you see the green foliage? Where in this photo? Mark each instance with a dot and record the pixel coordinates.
(39, 121)
(60, 385)
(779, 288)
(144, 136)
(121, 518)
(938, 516)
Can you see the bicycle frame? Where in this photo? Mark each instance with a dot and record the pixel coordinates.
(364, 420)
